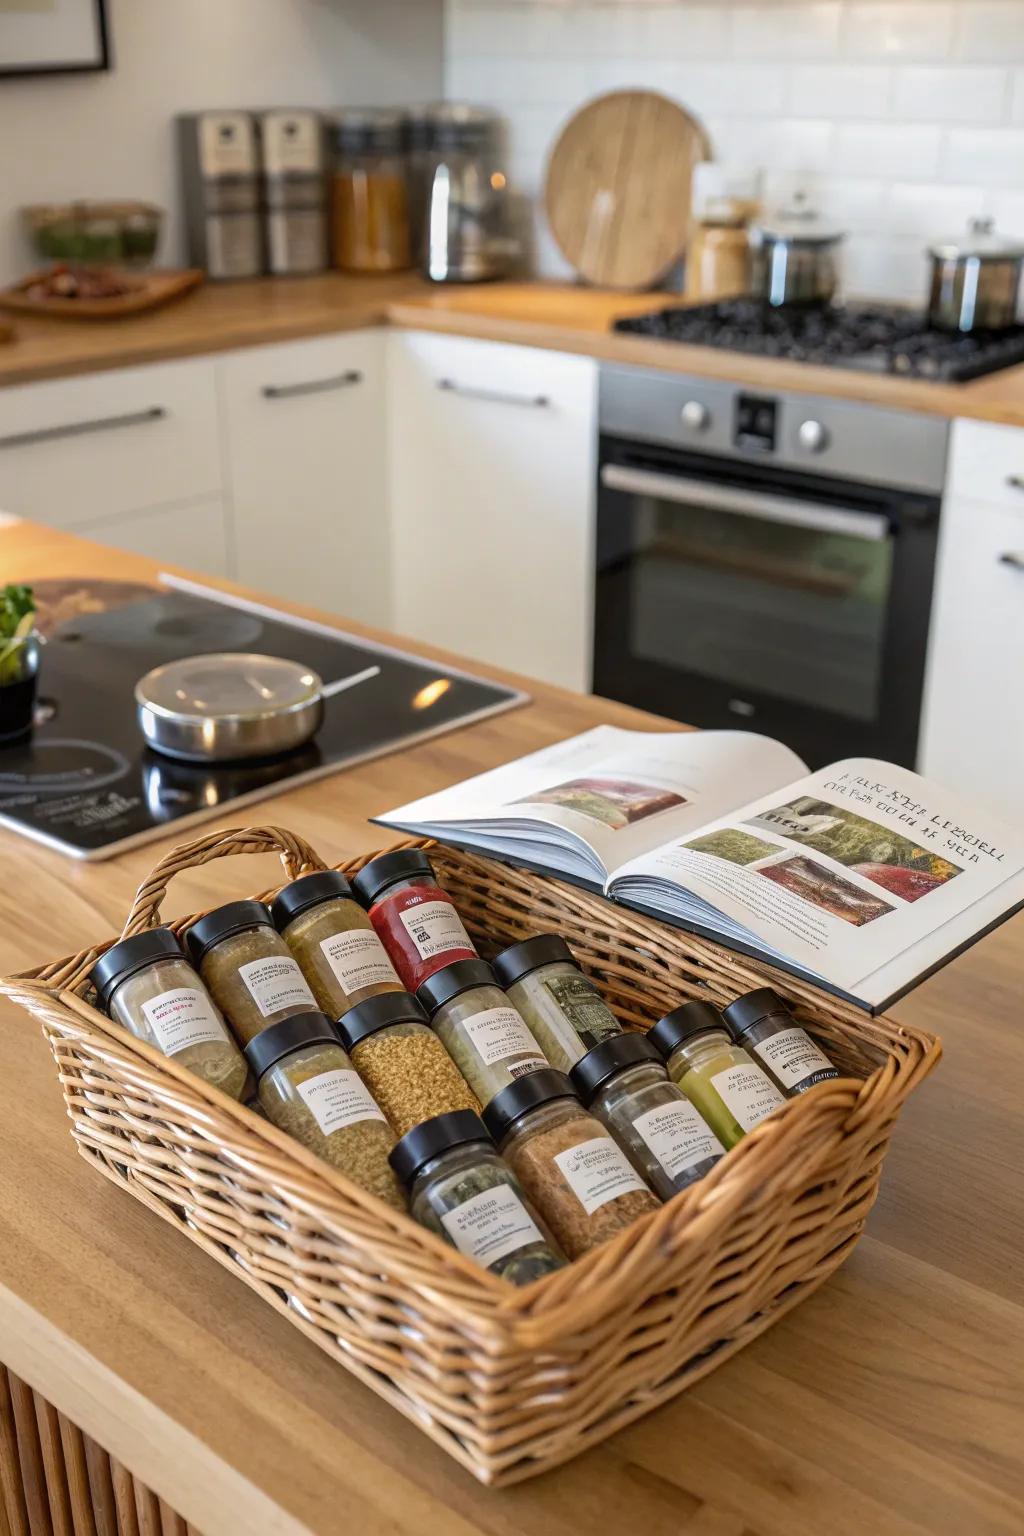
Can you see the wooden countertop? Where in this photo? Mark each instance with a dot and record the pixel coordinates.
(561, 317)
(891, 1401)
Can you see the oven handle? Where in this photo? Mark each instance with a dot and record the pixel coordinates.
(773, 509)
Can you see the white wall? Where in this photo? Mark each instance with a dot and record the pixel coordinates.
(906, 117)
(111, 134)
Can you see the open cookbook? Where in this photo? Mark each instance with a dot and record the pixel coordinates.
(862, 876)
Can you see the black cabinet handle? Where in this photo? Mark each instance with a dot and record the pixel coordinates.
(78, 428)
(1014, 558)
(312, 386)
(496, 396)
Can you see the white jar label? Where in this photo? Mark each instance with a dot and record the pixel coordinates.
(491, 1225)
(794, 1058)
(435, 927)
(339, 1098)
(358, 959)
(678, 1136)
(182, 1017)
(747, 1093)
(276, 982)
(596, 1172)
(498, 1033)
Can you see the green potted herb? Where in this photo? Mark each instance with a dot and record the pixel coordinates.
(19, 661)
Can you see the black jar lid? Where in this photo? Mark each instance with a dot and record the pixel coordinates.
(368, 130)
(685, 1023)
(305, 892)
(387, 869)
(457, 1128)
(377, 1013)
(529, 955)
(609, 1057)
(526, 1093)
(450, 980)
(130, 955)
(279, 1040)
(752, 1007)
(233, 917)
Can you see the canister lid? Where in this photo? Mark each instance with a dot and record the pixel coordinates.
(378, 1013)
(279, 1040)
(450, 980)
(233, 917)
(130, 955)
(980, 243)
(387, 869)
(457, 1128)
(523, 1095)
(456, 125)
(368, 130)
(609, 1057)
(752, 1007)
(308, 891)
(685, 1023)
(520, 959)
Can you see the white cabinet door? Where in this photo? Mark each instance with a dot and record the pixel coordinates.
(306, 471)
(192, 535)
(492, 456)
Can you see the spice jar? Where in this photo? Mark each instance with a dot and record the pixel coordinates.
(309, 1088)
(563, 1008)
(624, 1083)
(761, 1022)
(369, 193)
(567, 1162)
(415, 919)
(248, 967)
(333, 940)
(483, 1034)
(460, 1188)
(402, 1061)
(146, 984)
(728, 1087)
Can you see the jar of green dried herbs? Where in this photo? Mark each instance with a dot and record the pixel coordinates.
(460, 1188)
(248, 967)
(562, 1007)
(334, 942)
(726, 1085)
(309, 1088)
(402, 1061)
(762, 1024)
(484, 1035)
(146, 984)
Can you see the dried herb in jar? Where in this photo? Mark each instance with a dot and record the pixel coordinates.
(402, 1062)
(248, 967)
(562, 1007)
(334, 942)
(485, 1036)
(762, 1024)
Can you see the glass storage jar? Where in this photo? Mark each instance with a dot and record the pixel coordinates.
(485, 1036)
(248, 967)
(309, 1089)
(146, 984)
(570, 1167)
(369, 192)
(762, 1024)
(562, 1007)
(727, 1086)
(625, 1084)
(402, 1061)
(334, 942)
(460, 1188)
(415, 919)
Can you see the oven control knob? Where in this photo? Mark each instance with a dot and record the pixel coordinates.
(695, 415)
(813, 436)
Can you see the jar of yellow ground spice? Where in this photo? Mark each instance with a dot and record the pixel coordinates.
(248, 967)
(334, 942)
(402, 1061)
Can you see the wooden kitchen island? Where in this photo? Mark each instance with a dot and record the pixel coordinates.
(892, 1401)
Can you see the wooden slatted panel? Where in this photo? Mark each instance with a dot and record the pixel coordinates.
(11, 1486)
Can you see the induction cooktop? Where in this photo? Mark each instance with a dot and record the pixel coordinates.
(85, 781)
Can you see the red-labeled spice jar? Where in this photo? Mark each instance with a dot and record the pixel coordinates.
(413, 917)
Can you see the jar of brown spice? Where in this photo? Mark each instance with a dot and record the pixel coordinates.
(248, 967)
(334, 942)
(402, 1062)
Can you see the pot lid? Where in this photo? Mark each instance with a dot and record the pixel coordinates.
(799, 224)
(227, 686)
(980, 242)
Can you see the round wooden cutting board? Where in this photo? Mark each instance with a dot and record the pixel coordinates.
(617, 192)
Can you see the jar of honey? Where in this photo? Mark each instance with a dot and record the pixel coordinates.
(369, 192)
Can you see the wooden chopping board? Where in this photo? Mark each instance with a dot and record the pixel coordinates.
(150, 290)
(617, 192)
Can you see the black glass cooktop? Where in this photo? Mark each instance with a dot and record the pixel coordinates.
(85, 781)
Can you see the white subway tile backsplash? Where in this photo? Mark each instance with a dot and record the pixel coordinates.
(806, 31)
(898, 29)
(1017, 97)
(952, 95)
(990, 157)
(901, 149)
(686, 32)
(929, 211)
(840, 90)
(991, 30)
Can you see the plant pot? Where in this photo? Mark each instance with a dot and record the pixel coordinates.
(18, 696)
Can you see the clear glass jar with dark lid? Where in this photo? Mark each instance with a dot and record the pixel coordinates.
(461, 1189)
(562, 1006)
(762, 1023)
(333, 941)
(402, 1061)
(725, 1084)
(625, 1084)
(248, 967)
(369, 191)
(415, 919)
(486, 1037)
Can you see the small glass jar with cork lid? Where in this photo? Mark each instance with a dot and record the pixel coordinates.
(562, 1006)
(248, 967)
(726, 1085)
(402, 1061)
(483, 1034)
(414, 918)
(762, 1024)
(334, 942)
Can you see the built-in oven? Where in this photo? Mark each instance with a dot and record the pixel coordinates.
(766, 561)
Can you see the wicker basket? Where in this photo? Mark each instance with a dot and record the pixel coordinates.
(509, 1382)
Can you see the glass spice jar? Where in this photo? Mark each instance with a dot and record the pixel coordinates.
(460, 1189)
(146, 984)
(762, 1024)
(402, 1061)
(624, 1083)
(369, 192)
(334, 942)
(562, 1007)
(415, 919)
(727, 1086)
(485, 1036)
(568, 1163)
(248, 967)
(309, 1089)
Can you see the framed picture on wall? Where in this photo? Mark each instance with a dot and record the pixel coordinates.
(53, 37)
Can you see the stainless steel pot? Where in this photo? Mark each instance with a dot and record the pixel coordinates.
(976, 280)
(795, 259)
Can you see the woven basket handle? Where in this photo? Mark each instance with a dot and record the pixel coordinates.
(296, 856)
